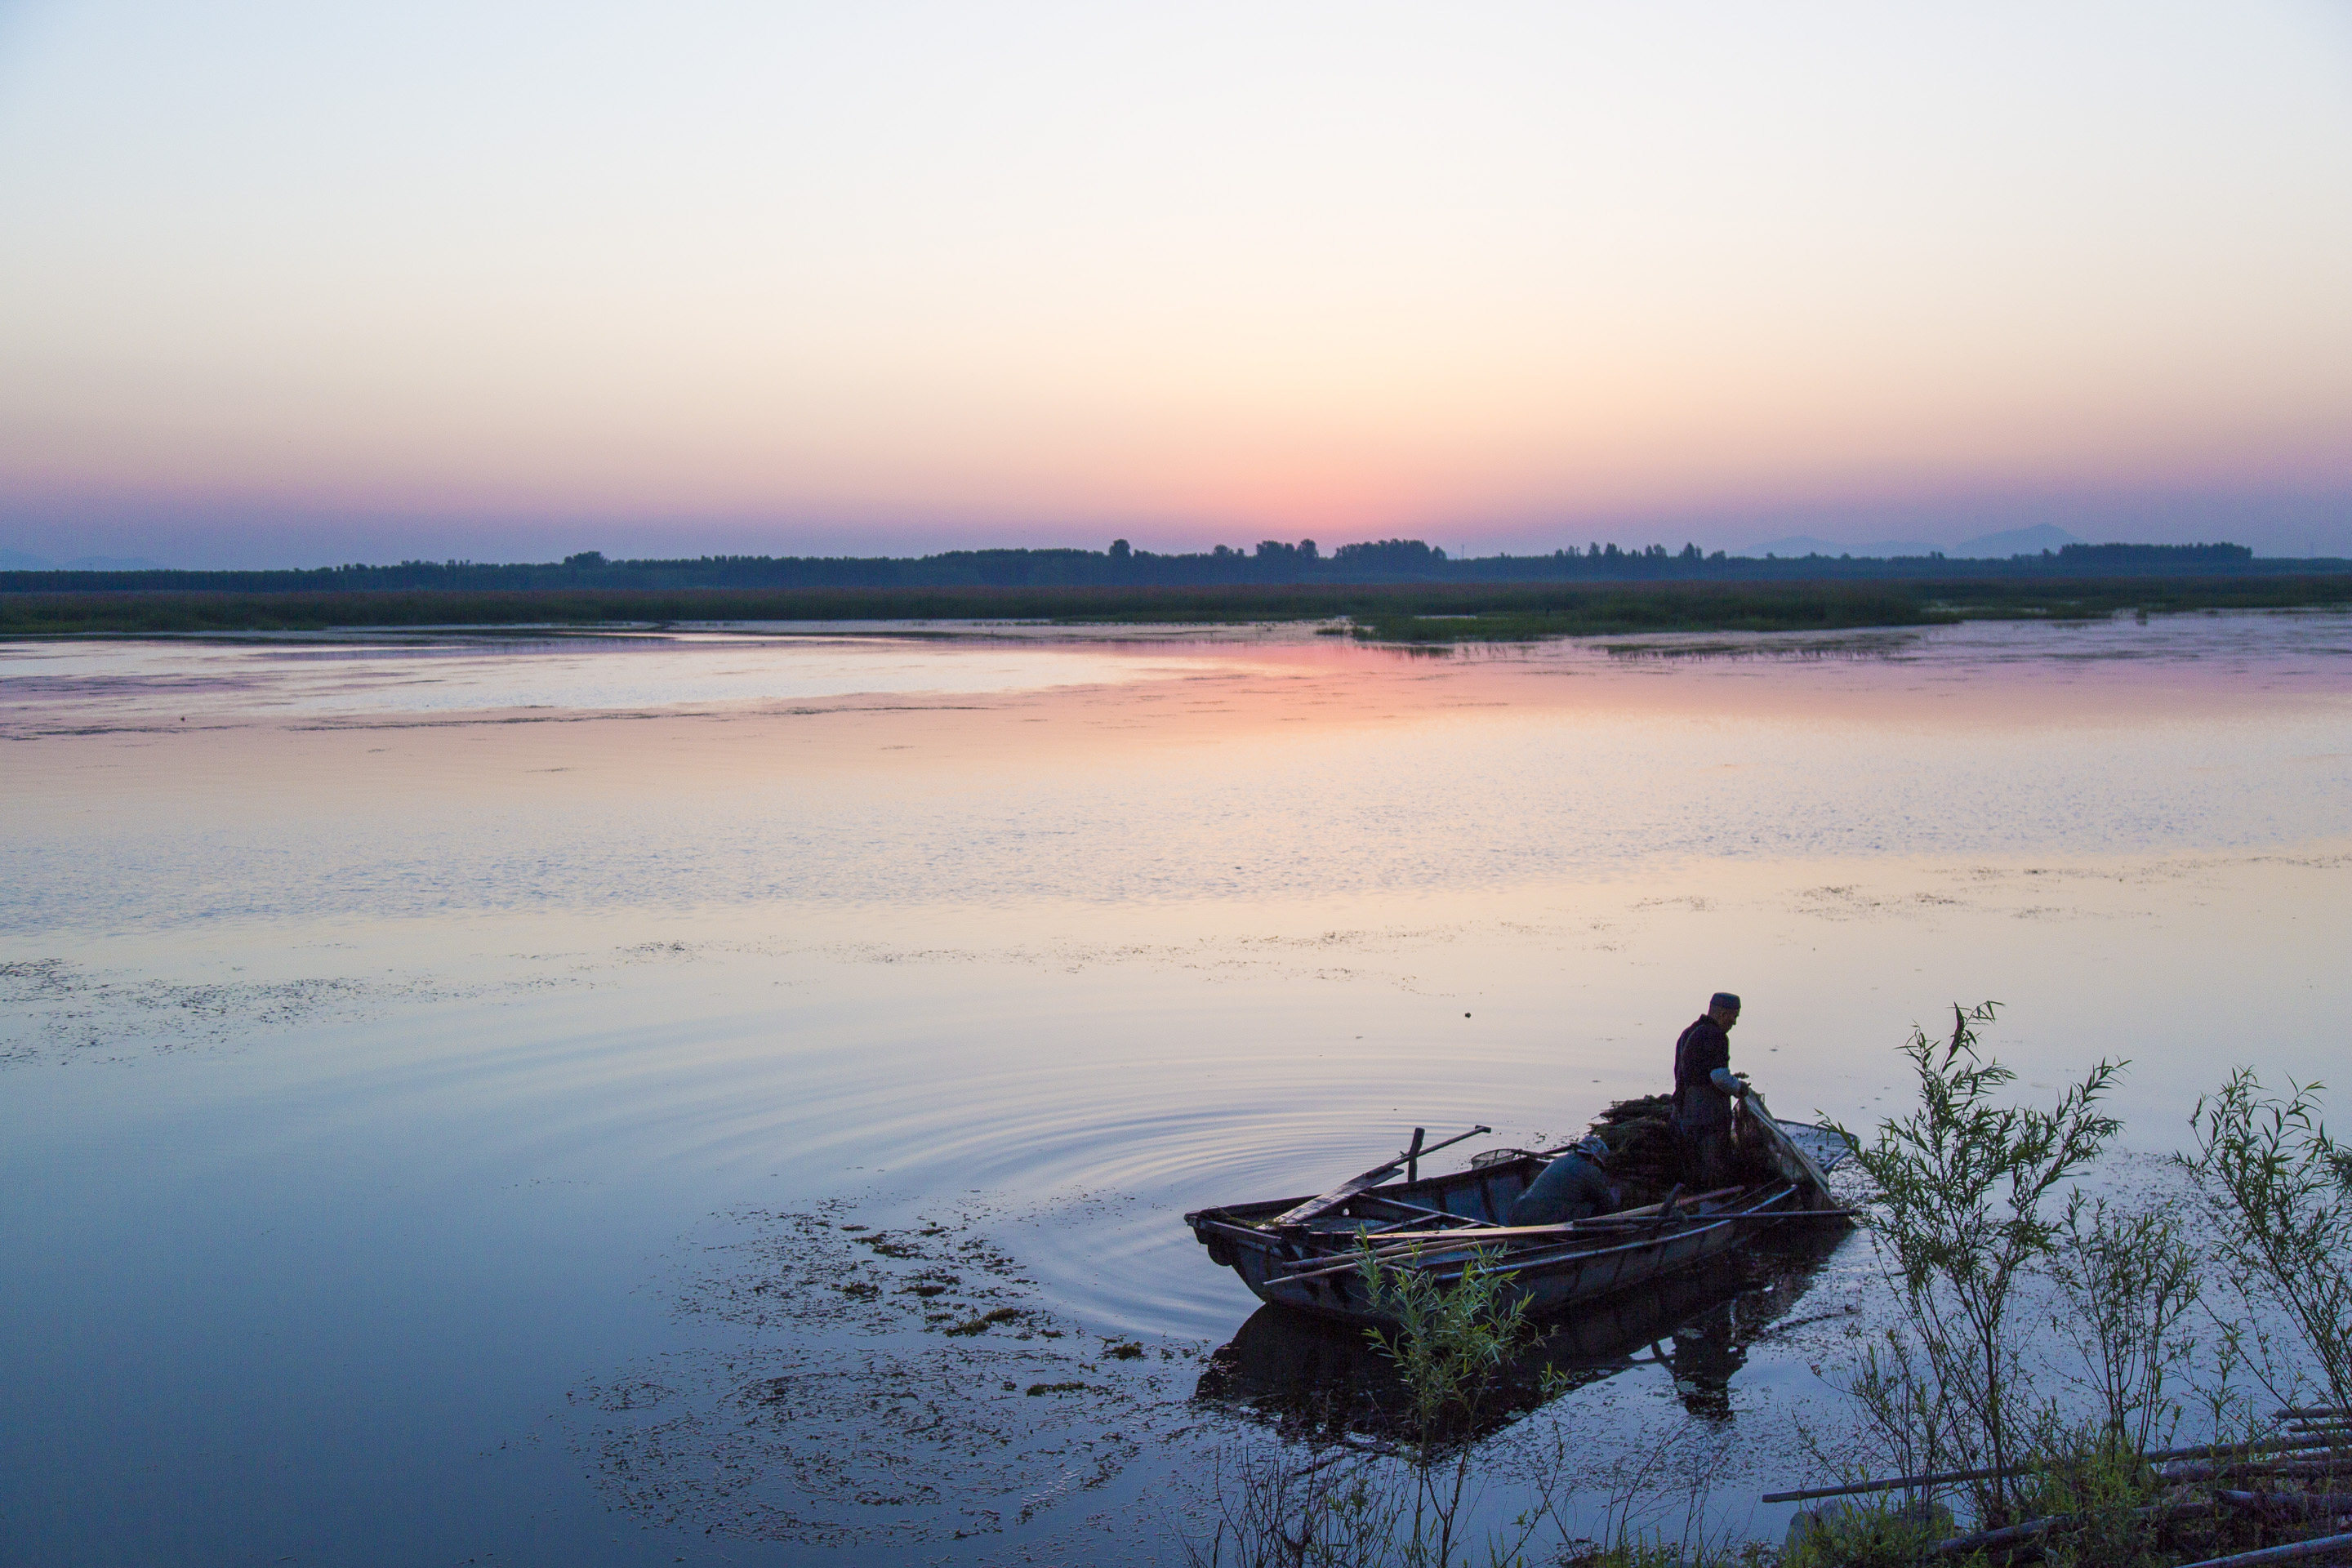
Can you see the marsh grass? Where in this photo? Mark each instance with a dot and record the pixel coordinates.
(1389, 612)
(1273, 1513)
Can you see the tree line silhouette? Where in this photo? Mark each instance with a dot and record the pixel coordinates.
(1271, 561)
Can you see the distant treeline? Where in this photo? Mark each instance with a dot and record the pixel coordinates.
(1272, 562)
(1403, 611)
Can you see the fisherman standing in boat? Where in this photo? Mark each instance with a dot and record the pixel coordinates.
(1704, 1087)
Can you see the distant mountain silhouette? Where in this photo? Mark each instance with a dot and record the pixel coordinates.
(2016, 542)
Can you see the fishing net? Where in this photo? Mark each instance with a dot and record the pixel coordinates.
(1640, 1136)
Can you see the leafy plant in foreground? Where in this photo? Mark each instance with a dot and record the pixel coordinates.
(1963, 1186)
(2129, 1277)
(1452, 1343)
(2282, 1191)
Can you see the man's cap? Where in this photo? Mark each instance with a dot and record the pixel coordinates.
(1722, 999)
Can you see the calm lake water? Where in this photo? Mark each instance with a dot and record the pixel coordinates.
(440, 1077)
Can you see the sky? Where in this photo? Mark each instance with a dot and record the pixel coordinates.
(290, 284)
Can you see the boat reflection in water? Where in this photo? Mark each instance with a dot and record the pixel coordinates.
(1310, 1375)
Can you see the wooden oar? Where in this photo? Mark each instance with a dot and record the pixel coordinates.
(1794, 1162)
(1371, 1178)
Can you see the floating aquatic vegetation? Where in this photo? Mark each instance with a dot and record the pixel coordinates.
(856, 1384)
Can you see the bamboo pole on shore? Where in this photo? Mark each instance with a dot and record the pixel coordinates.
(2294, 1552)
(2189, 1474)
(2325, 1504)
(1948, 1478)
(2026, 1529)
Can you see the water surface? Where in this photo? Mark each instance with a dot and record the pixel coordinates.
(439, 1074)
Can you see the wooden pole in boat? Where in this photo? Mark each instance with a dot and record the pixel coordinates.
(1413, 1156)
(1666, 1209)
(1354, 1184)
(1415, 1249)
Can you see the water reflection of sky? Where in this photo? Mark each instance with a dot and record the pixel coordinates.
(87, 683)
(406, 1094)
(314, 783)
(131, 682)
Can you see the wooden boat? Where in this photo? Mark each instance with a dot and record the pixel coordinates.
(1307, 1253)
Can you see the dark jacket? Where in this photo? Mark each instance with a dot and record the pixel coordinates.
(1703, 1046)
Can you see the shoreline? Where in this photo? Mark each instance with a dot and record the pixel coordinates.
(1419, 613)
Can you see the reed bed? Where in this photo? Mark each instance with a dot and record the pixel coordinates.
(1412, 613)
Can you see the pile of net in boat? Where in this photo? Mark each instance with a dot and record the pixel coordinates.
(1645, 1160)
(1641, 1138)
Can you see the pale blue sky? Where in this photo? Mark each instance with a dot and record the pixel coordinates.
(291, 282)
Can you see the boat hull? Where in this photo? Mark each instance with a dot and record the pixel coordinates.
(1301, 1267)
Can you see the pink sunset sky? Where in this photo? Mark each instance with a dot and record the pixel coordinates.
(290, 284)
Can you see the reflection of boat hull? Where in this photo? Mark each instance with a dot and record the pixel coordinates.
(1697, 1323)
(1302, 1265)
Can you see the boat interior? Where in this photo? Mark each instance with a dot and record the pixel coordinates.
(1481, 1194)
